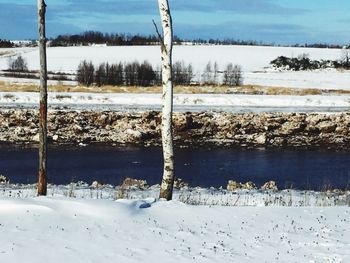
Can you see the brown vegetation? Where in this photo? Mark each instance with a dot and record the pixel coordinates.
(191, 89)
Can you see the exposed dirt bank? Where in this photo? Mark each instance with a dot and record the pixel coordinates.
(304, 130)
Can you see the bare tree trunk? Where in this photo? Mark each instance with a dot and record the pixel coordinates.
(166, 189)
(42, 182)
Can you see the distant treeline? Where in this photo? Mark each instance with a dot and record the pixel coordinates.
(320, 45)
(94, 37)
(258, 43)
(5, 44)
(120, 39)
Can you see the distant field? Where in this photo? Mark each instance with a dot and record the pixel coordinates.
(253, 59)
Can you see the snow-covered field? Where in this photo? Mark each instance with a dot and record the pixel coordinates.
(67, 230)
(254, 61)
(182, 102)
(252, 58)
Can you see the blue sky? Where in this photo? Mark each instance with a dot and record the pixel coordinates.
(270, 21)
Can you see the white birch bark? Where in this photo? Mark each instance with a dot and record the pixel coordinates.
(166, 189)
(42, 181)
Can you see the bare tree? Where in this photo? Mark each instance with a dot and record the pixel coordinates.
(182, 74)
(166, 188)
(346, 58)
(145, 75)
(207, 74)
(42, 182)
(100, 75)
(216, 74)
(18, 64)
(116, 72)
(130, 73)
(86, 72)
(233, 75)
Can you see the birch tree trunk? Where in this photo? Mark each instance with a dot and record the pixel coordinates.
(42, 182)
(166, 188)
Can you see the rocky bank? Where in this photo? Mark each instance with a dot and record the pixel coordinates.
(269, 130)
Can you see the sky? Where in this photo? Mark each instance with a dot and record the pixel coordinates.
(268, 21)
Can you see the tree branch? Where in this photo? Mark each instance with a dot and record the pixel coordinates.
(161, 40)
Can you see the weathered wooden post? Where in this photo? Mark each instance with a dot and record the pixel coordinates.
(166, 189)
(42, 182)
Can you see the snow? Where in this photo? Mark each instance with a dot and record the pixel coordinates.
(253, 59)
(323, 79)
(195, 102)
(25, 81)
(68, 230)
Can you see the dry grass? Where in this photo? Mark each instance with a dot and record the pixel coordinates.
(6, 53)
(264, 90)
(193, 89)
(17, 87)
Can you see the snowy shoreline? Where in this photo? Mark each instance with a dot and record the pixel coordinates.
(182, 102)
(188, 195)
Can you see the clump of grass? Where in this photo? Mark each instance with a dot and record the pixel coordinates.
(8, 96)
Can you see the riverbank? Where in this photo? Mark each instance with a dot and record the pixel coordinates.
(202, 129)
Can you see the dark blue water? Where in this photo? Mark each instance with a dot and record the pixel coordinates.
(314, 170)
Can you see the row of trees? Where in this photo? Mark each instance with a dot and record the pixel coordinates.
(144, 75)
(232, 75)
(95, 37)
(130, 74)
(136, 74)
(6, 43)
(122, 39)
